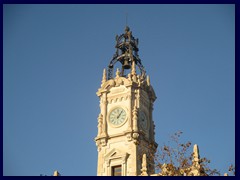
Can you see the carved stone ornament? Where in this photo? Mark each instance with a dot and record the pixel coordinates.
(100, 122)
(129, 137)
(144, 165)
(135, 138)
(113, 83)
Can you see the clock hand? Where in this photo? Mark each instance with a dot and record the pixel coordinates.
(119, 114)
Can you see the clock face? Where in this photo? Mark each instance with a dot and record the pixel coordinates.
(117, 116)
(143, 120)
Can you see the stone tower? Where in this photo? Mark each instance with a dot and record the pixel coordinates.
(125, 123)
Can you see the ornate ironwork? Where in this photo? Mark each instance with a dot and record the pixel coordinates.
(126, 53)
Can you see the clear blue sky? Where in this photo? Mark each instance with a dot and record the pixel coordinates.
(53, 60)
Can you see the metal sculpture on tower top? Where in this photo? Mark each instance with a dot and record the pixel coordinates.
(126, 53)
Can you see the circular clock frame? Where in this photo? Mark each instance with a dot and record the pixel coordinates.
(118, 115)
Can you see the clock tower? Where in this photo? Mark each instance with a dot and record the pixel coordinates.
(125, 122)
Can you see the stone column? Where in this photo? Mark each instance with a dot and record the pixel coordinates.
(104, 113)
(135, 117)
(100, 121)
(130, 109)
(152, 134)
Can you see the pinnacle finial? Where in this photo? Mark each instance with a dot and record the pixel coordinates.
(196, 155)
(133, 71)
(56, 173)
(104, 77)
(144, 165)
(117, 73)
(148, 80)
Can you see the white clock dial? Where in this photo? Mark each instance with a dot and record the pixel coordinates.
(117, 116)
(143, 120)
